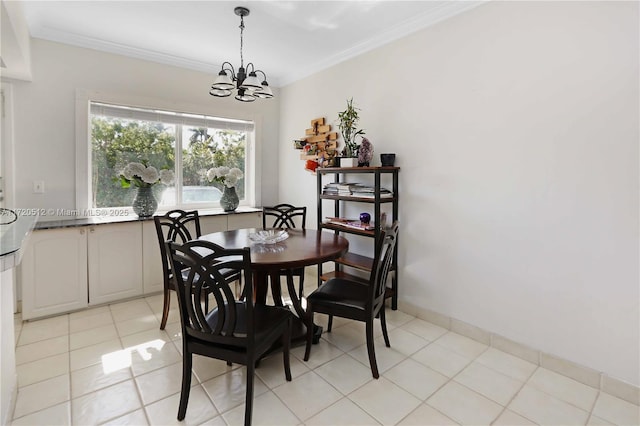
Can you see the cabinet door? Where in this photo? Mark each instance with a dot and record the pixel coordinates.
(115, 262)
(152, 274)
(54, 272)
(210, 224)
(244, 220)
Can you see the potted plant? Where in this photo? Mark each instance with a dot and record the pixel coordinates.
(229, 178)
(348, 125)
(144, 177)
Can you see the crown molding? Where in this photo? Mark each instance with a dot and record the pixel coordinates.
(444, 11)
(73, 39)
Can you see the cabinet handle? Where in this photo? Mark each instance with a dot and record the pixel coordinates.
(92, 230)
(82, 232)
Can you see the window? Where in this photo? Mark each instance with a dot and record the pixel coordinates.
(188, 144)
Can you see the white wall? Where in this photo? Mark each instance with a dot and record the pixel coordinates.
(516, 127)
(45, 114)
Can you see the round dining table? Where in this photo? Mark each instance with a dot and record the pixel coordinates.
(303, 247)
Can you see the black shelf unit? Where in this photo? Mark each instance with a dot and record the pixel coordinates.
(353, 260)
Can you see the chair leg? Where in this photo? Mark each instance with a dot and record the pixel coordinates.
(248, 404)
(165, 308)
(371, 350)
(301, 286)
(186, 385)
(276, 291)
(309, 324)
(330, 323)
(286, 344)
(383, 323)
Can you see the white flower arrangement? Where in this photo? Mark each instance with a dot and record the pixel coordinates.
(225, 175)
(144, 176)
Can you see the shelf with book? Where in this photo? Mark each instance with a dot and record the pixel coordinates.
(361, 199)
(339, 193)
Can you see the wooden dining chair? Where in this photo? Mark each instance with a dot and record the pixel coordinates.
(231, 329)
(286, 216)
(175, 226)
(357, 300)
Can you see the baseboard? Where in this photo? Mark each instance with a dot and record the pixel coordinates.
(577, 372)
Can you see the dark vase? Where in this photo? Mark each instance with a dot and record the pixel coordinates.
(145, 203)
(229, 200)
(365, 164)
(387, 160)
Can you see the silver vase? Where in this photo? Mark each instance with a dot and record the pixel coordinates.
(145, 203)
(229, 200)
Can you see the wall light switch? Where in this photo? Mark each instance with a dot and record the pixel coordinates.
(38, 187)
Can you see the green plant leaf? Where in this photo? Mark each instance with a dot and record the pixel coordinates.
(124, 182)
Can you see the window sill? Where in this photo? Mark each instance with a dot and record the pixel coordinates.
(72, 222)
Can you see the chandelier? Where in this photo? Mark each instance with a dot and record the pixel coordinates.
(248, 86)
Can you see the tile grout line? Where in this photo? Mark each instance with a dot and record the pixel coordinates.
(449, 379)
(40, 381)
(598, 391)
(286, 405)
(452, 379)
(405, 357)
(429, 343)
(69, 376)
(133, 377)
(524, 383)
(593, 406)
(420, 314)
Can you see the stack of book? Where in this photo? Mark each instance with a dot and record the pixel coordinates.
(339, 188)
(354, 190)
(370, 192)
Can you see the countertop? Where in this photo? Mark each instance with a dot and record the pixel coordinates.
(13, 237)
(106, 216)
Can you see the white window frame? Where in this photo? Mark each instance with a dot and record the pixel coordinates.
(83, 142)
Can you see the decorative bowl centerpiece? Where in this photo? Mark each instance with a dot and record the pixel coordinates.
(269, 236)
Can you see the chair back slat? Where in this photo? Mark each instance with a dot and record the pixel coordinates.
(176, 226)
(284, 216)
(208, 304)
(382, 264)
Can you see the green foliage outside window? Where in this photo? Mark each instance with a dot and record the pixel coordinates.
(206, 150)
(116, 142)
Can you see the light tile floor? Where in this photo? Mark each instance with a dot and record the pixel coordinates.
(112, 365)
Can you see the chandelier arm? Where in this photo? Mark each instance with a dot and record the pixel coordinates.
(263, 74)
(233, 71)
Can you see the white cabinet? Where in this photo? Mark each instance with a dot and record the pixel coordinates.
(70, 268)
(218, 223)
(215, 223)
(115, 262)
(152, 276)
(54, 272)
(244, 220)
(67, 269)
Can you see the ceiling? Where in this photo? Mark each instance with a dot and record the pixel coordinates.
(288, 40)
